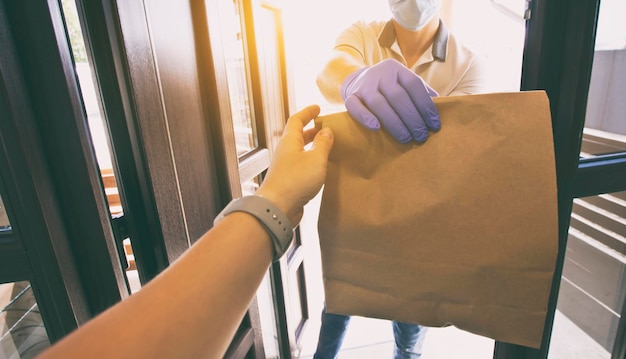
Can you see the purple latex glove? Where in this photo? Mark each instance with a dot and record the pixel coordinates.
(391, 94)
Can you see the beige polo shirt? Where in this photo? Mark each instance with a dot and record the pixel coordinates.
(447, 66)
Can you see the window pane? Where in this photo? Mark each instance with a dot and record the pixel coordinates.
(22, 332)
(605, 121)
(593, 284)
(236, 72)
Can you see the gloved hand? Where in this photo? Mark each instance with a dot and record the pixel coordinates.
(391, 94)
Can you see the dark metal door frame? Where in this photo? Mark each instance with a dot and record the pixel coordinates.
(103, 40)
(49, 171)
(558, 57)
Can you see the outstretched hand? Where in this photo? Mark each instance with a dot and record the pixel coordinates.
(390, 94)
(296, 175)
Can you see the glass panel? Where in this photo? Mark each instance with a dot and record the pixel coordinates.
(22, 332)
(494, 30)
(593, 285)
(88, 88)
(236, 72)
(99, 134)
(605, 121)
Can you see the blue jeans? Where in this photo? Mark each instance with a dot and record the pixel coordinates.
(409, 338)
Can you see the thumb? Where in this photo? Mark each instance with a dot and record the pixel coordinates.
(323, 142)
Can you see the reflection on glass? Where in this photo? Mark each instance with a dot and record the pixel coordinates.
(22, 332)
(240, 100)
(593, 284)
(605, 121)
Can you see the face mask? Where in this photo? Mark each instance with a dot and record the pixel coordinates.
(414, 14)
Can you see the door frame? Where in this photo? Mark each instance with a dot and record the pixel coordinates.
(51, 180)
(103, 36)
(20, 158)
(558, 58)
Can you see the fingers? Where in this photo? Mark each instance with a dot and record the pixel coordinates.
(362, 114)
(410, 121)
(309, 135)
(323, 142)
(299, 119)
(295, 175)
(391, 95)
(421, 96)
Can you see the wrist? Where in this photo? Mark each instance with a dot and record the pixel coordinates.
(276, 199)
(349, 80)
(268, 215)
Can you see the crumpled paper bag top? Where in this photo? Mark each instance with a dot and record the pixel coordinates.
(461, 230)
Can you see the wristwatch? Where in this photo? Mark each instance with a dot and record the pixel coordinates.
(273, 220)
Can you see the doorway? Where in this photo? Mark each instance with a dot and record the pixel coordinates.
(594, 275)
(308, 50)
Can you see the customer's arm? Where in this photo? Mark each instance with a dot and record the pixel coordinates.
(193, 308)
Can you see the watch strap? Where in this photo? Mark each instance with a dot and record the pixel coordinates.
(275, 222)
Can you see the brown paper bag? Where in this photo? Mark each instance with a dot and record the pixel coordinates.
(461, 230)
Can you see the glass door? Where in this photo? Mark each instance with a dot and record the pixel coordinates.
(550, 45)
(572, 51)
(590, 309)
(256, 108)
(58, 250)
(22, 330)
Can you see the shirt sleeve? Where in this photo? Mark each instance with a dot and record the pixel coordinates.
(475, 79)
(352, 37)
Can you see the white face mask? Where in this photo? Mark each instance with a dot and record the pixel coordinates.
(414, 14)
